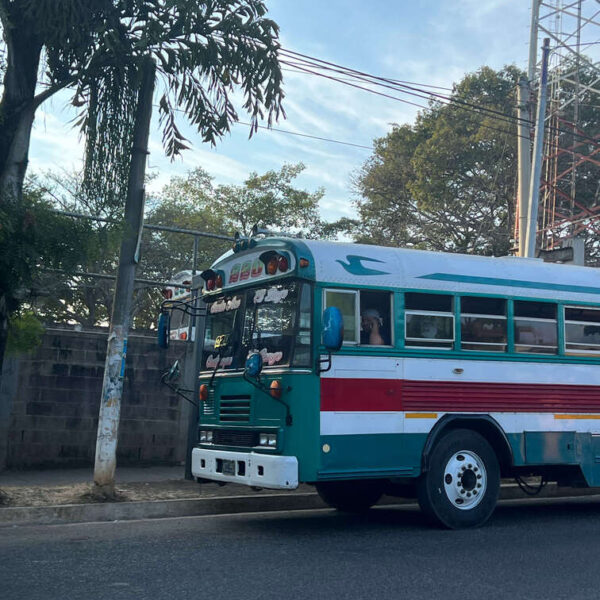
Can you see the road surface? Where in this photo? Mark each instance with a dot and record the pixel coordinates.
(541, 549)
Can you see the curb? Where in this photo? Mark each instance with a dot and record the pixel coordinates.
(160, 509)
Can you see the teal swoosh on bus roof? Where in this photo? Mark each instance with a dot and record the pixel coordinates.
(354, 265)
(536, 285)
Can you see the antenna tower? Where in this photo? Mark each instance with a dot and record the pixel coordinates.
(569, 202)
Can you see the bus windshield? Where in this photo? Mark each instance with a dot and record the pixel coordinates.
(271, 319)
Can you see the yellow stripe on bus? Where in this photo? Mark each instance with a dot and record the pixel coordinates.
(577, 416)
(421, 415)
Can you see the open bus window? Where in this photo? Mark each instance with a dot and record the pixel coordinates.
(582, 330)
(375, 318)
(347, 302)
(535, 324)
(429, 320)
(483, 324)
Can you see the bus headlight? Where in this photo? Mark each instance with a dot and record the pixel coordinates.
(206, 437)
(268, 439)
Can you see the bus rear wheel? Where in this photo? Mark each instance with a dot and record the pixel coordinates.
(350, 496)
(460, 489)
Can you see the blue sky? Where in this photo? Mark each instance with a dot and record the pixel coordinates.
(423, 41)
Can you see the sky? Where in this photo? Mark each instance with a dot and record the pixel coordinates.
(423, 41)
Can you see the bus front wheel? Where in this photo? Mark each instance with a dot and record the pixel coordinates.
(460, 488)
(350, 496)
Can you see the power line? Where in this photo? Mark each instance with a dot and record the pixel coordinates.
(306, 135)
(319, 64)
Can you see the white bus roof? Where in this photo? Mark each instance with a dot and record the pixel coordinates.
(361, 264)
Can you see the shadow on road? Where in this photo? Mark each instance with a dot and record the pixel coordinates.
(409, 518)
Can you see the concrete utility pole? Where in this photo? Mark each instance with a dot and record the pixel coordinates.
(114, 368)
(524, 159)
(538, 147)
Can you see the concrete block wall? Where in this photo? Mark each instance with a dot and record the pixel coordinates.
(52, 398)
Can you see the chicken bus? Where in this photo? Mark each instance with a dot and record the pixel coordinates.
(178, 299)
(367, 370)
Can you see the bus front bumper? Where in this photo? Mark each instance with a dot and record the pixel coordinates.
(246, 468)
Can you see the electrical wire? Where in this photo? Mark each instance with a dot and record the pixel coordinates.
(312, 63)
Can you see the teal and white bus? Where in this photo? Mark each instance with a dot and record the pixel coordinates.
(367, 370)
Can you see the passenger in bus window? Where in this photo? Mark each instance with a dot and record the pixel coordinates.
(371, 326)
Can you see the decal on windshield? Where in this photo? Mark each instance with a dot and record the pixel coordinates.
(271, 295)
(271, 358)
(212, 361)
(225, 305)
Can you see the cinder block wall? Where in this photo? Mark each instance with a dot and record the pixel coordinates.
(54, 403)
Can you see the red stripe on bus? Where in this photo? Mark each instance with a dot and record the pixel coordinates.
(448, 396)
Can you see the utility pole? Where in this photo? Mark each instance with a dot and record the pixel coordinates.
(538, 147)
(114, 368)
(524, 159)
(533, 40)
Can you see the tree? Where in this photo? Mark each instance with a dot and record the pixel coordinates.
(30, 237)
(448, 181)
(204, 51)
(194, 202)
(76, 298)
(271, 201)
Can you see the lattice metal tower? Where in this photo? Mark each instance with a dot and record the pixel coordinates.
(570, 187)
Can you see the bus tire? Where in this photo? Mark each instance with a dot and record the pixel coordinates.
(350, 496)
(460, 489)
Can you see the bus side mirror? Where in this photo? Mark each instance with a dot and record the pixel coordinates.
(254, 365)
(333, 329)
(173, 373)
(163, 330)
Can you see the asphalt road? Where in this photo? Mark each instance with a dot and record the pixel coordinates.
(545, 549)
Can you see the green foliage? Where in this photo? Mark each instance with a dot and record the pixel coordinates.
(270, 201)
(204, 52)
(194, 202)
(448, 181)
(24, 333)
(32, 236)
(76, 298)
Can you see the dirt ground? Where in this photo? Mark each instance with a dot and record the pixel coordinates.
(82, 493)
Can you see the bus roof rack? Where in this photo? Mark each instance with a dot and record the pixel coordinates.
(256, 231)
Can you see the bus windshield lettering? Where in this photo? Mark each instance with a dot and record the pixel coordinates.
(271, 320)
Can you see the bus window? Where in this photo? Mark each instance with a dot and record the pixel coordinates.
(375, 318)
(302, 346)
(582, 330)
(483, 324)
(535, 327)
(346, 301)
(429, 320)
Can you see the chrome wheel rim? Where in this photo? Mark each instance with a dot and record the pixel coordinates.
(465, 480)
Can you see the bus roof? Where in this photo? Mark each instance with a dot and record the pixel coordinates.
(360, 265)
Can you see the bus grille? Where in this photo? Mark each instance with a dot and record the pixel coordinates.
(233, 437)
(234, 409)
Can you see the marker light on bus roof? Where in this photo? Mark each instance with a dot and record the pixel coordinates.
(272, 265)
(283, 264)
(219, 281)
(303, 262)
